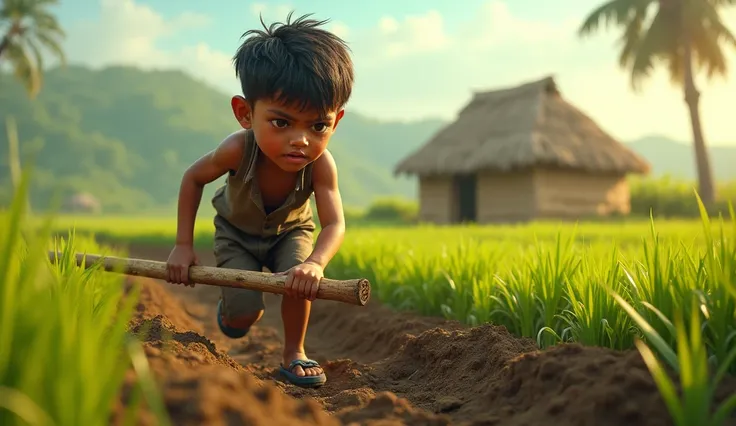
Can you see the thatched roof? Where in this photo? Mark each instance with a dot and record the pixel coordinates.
(518, 127)
(83, 201)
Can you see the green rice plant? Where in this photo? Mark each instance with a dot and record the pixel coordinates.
(690, 362)
(717, 298)
(64, 346)
(593, 318)
(550, 271)
(709, 305)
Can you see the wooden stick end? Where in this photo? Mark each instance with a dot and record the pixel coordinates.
(363, 290)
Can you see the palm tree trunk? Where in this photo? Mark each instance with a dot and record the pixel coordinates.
(706, 187)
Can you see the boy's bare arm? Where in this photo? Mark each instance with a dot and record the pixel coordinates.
(205, 170)
(329, 209)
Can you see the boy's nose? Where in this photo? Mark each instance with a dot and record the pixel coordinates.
(299, 140)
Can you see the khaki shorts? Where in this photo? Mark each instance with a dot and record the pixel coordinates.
(235, 249)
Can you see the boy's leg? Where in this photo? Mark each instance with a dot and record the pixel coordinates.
(239, 308)
(291, 250)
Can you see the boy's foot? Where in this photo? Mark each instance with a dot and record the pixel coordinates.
(227, 330)
(302, 371)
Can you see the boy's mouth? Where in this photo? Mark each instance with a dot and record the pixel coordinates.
(296, 156)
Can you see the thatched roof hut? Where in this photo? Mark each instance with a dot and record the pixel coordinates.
(82, 202)
(521, 153)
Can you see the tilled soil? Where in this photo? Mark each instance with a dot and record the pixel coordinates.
(383, 368)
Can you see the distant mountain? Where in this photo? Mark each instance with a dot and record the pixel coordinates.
(126, 136)
(677, 159)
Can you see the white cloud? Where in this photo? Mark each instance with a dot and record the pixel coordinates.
(496, 26)
(128, 33)
(415, 34)
(388, 25)
(493, 26)
(413, 67)
(271, 13)
(340, 29)
(258, 8)
(416, 66)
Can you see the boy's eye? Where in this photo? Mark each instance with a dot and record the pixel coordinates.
(279, 123)
(320, 127)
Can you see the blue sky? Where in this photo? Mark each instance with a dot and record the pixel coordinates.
(413, 59)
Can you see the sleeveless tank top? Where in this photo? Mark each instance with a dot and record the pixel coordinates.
(239, 201)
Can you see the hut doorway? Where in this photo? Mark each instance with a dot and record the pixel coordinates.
(466, 190)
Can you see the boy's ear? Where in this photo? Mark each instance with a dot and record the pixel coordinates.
(338, 117)
(242, 111)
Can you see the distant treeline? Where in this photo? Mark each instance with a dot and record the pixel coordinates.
(665, 197)
(672, 198)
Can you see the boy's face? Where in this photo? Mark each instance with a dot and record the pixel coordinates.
(289, 137)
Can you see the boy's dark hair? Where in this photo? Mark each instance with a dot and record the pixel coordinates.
(297, 61)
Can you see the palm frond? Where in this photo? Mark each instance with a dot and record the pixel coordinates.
(46, 23)
(32, 28)
(658, 43)
(33, 50)
(24, 68)
(631, 37)
(614, 12)
(721, 3)
(713, 23)
(52, 45)
(707, 36)
(708, 54)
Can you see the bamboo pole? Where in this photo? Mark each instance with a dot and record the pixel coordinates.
(354, 291)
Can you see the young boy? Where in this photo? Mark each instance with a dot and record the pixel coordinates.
(296, 79)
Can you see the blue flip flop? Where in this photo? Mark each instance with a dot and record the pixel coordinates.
(233, 333)
(305, 381)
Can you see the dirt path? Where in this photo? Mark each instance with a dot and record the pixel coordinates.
(383, 368)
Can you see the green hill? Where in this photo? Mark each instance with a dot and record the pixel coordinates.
(126, 136)
(675, 158)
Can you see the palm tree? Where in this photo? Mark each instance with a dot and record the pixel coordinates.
(29, 26)
(682, 34)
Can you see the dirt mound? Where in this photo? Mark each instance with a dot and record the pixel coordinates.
(202, 385)
(476, 376)
(155, 300)
(374, 331)
(572, 384)
(384, 369)
(443, 370)
(387, 409)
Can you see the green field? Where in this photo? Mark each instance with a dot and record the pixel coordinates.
(527, 277)
(671, 283)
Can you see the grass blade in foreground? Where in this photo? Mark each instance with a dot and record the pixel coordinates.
(698, 389)
(63, 336)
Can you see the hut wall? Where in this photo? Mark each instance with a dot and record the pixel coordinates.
(506, 197)
(568, 194)
(436, 199)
